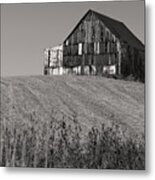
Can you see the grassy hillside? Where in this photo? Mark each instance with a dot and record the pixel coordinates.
(91, 100)
(72, 121)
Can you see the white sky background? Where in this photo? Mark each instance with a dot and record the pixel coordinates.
(26, 29)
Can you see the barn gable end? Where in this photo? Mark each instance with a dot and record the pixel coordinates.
(103, 45)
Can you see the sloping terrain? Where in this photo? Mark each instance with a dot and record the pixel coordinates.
(91, 100)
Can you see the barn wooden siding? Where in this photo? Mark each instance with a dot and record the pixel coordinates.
(93, 46)
(53, 60)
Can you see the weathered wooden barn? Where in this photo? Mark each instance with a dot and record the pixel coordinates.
(100, 45)
(53, 60)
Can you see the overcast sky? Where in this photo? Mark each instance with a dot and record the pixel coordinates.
(26, 29)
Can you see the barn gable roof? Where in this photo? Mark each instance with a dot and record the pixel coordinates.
(118, 28)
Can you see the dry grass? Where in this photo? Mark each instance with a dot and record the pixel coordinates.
(45, 122)
(55, 144)
(93, 100)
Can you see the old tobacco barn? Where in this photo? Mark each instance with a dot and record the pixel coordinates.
(100, 45)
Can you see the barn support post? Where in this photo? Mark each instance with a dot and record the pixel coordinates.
(82, 69)
(119, 57)
(119, 63)
(90, 70)
(49, 58)
(82, 64)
